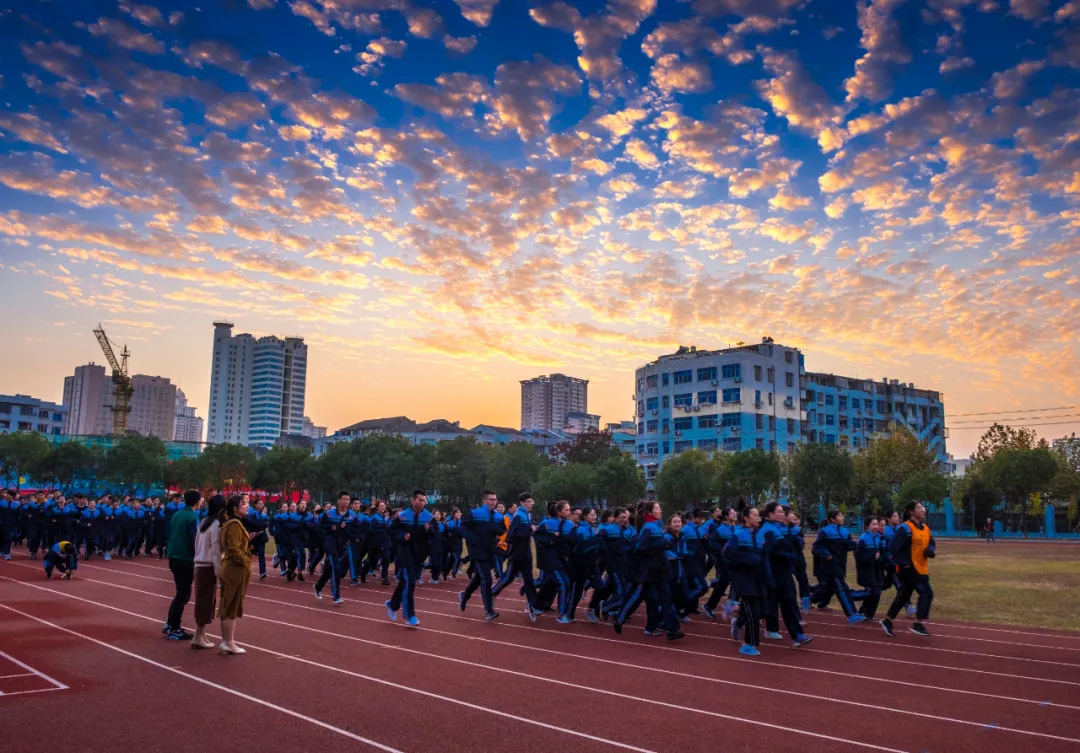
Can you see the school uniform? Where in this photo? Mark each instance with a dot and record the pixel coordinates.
(583, 569)
(519, 559)
(313, 541)
(379, 546)
(161, 530)
(778, 558)
(868, 571)
(912, 549)
(716, 539)
(257, 522)
(454, 547)
(480, 527)
(9, 524)
(797, 544)
(890, 577)
(296, 536)
(678, 556)
(62, 556)
(744, 556)
(281, 540)
(334, 542)
(652, 576)
(553, 544)
(615, 544)
(354, 544)
(89, 529)
(831, 547)
(695, 564)
(411, 533)
(436, 550)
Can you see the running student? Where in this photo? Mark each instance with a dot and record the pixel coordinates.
(63, 556)
(453, 543)
(520, 561)
(778, 559)
(869, 567)
(912, 549)
(333, 525)
(257, 522)
(744, 554)
(553, 539)
(583, 569)
(719, 532)
(481, 527)
(831, 547)
(616, 539)
(411, 530)
(651, 578)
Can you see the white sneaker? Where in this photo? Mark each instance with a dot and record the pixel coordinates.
(225, 649)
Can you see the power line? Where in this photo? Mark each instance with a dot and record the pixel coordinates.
(1025, 410)
(1019, 426)
(1022, 418)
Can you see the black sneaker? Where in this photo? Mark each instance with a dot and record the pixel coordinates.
(179, 635)
(300, 577)
(165, 629)
(919, 629)
(886, 625)
(676, 635)
(618, 627)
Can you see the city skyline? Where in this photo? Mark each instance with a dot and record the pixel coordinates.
(448, 198)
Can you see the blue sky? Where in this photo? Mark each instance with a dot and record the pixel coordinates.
(445, 198)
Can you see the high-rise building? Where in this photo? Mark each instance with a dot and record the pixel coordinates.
(257, 387)
(578, 422)
(546, 400)
(153, 407)
(733, 399)
(88, 400)
(25, 413)
(189, 427)
(311, 430)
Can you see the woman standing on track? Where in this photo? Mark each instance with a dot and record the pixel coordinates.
(235, 572)
(207, 570)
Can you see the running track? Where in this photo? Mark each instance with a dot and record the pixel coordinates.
(316, 676)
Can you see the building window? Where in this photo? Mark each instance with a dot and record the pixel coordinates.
(665, 425)
(651, 425)
(640, 382)
(732, 371)
(681, 445)
(830, 439)
(732, 444)
(759, 421)
(650, 381)
(664, 379)
(684, 377)
(791, 426)
(732, 419)
(830, 420)
(769, 374)
(772, 423)
(707, 398)
(664, 401)
(855, 403)
(829, 400)
(685, 400)
(706, 422)
(789, 379)
(640, 407)
(706, 375)
(788, 356)
(651, 404)
(684, 424)
(708, 445)
(667, 447)
(843, 401)
(651, 448)
(759, 443)
(757, 373)
(733, 395)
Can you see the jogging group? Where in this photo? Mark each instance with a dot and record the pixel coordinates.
(743, 564)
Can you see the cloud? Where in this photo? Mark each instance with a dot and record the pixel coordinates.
(884, 50)
(953, 63)
(623, 122)
(639, 152)
(371, 58)
(672, 74)
(460, 45)
(525, 95)
(477, 11)
(1009, 84)
(147, 15)
(795, 96)
(1029, 10)
(597, 35)
(31, 129)
(123, 35)
(454, 95)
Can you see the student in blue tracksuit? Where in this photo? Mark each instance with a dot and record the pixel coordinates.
(744, 556)
(454, 543)
(293, 527)
(257, 522)
(62, 556)
(797, 543)
(616, 537)
(281, 537)
(868, 566)
(553, 539)
(355, 534)
(313, 538)
(411, 532)
(89, 527)
(519, 559)
(379, 548)
(161, 529)
(10, 509)
(677, 555)
(34, 512)
(436, 553)
(583, 567)
(697, 559)
(717, 535)
(333, 525)
(651, 576)
(481, 527)
(831, 547)
(107, 535)
(778, 559)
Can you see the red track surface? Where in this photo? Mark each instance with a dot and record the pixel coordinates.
(316, 676)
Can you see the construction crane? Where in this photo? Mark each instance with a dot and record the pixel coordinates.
(122, 387)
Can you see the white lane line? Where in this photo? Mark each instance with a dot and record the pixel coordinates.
(24, 692)
(56, 683)
(605, 661)
(487, 710)
(11, 677)
(376, 680)
(200, 680)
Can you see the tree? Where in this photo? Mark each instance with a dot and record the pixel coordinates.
(753, 474)
(590, 447)
(685, 480)
(72, 460)
(1065, 488)
(514, 468)
(286, 470)
(999, 437)
(925, 486)
(186, 473)
(21, 454)
(135, 462)
(575, 482)
(461, 470)
(227, 466)
(888, 463)
(820, 474)
(620, 481)
(385, 461)
(1017, 474)
(978, 497)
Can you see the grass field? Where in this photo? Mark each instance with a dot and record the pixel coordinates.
(1014, 583)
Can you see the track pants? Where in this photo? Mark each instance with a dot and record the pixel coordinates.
(556, 582)
(660, 613)
(912, 582)
(481, 579)
(513, 569)
(183, 572)
(835, 585)
(405, 591)
(749, 616)
(333, 570)
(782, 599)
(259, 545)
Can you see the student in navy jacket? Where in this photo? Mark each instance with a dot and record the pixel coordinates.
(651, 578)
(281, 537)
(616, 537)
(378, 541)
(481, 526)
(436, 550)
(553, 539)
(355, 540)
(90, 527)
(798, 546)
(718, 534)
(334, 543)
(520, 559)
(869, 551)
(454, 543)
(697, 559)
(257, 523)
(744, 556)
(831, 547)
(583, 569)
(678, 555)
(411, 531)
(10, 508)
(779, 561)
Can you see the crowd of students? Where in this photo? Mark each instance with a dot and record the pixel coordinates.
(624, 558)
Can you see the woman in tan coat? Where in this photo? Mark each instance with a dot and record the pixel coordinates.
(235, 571)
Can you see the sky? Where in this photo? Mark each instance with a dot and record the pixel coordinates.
(446, 198)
